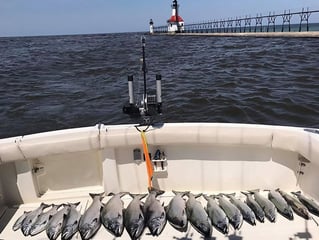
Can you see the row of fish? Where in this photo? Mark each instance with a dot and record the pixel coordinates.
(221, 211)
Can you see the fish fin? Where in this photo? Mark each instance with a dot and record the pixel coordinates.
(102, 207)
(142, 207)
(315, 221)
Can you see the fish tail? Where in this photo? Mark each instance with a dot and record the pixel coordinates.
(229, 194)
(101, 195)
(157, 191)
(246, 193)
(122, 194)
(183, 193)
(74, 204)
(205, 196)
(254, 190)
(136, 195)
(198, 195)
(219, 195)
(296, 193)
(44, 205)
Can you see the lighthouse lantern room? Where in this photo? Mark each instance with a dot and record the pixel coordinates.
(176, 22)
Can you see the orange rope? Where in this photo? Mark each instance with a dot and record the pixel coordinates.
(149, 166)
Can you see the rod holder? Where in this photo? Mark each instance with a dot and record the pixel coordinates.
(130, 89)
(159, 92)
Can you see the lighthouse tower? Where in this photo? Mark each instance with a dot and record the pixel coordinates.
(151, 26)
(176, 22)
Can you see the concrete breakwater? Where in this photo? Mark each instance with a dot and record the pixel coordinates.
(313, 34)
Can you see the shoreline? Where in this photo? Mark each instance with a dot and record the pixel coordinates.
(312, 34)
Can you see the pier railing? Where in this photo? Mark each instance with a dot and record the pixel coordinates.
(284, 22)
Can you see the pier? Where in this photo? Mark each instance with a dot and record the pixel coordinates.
(286, 24)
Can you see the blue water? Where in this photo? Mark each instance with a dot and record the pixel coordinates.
(58, 82)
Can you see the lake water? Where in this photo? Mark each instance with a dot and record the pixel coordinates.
(58, 82)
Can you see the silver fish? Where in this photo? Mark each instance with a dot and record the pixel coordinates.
(232, 212)
(310, 204)
(282, 206)
(198, 217)
(56, 223)
(154, 213)
(90, 220)
(268, 207)
(248, 214)
(217, 215)
(134, 217)
(176, 212)
(251, 202)
(43, 220)
(112, 215)
(298, 208)
(70, 225)
(31, 218)
(18, 223)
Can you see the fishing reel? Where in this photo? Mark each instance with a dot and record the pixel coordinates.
(150, 104)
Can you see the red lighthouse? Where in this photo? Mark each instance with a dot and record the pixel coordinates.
(176, 22)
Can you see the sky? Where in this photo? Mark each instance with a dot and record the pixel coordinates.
(58, 17)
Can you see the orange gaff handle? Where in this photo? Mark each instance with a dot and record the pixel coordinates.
(149, 166)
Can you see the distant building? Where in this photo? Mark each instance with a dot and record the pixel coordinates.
(151, 26)
(176, 22)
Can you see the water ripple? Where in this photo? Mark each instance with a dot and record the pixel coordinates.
(59, 82)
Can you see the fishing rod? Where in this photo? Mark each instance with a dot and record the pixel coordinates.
(150, 104)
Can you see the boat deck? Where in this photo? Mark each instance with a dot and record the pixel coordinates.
(199, 157)
(299, 228)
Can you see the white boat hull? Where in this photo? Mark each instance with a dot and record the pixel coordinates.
(64, 166)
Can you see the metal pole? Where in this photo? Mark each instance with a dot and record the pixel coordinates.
(144, 72)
